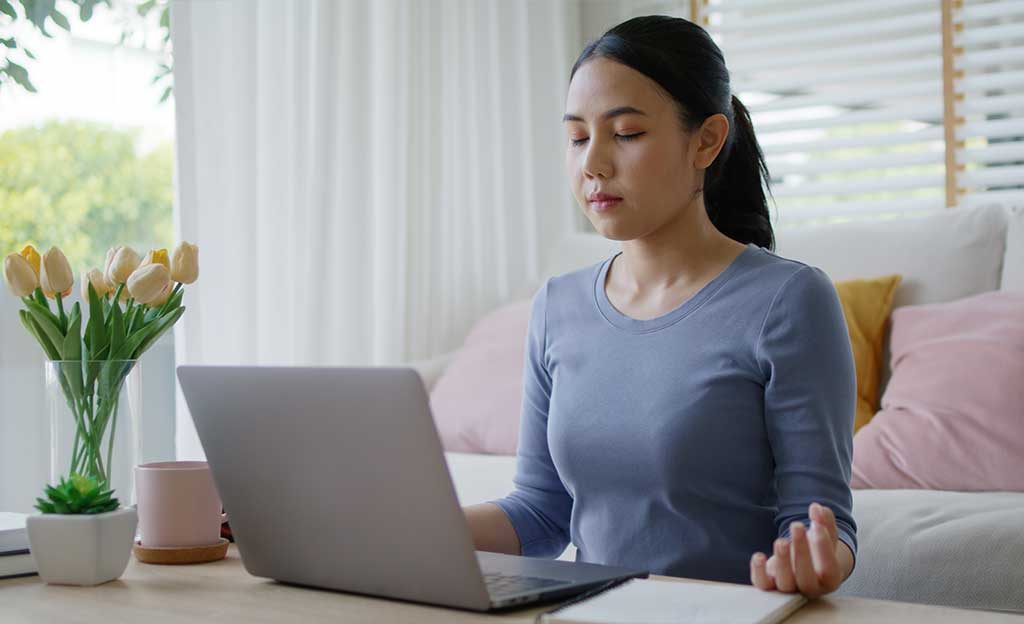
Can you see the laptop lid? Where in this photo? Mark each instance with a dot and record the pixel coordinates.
(336, 478)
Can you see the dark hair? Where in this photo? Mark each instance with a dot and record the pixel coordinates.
(683, 59)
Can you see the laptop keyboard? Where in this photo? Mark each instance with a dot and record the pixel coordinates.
(505, 584)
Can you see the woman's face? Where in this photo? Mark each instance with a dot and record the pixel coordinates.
(625, 139)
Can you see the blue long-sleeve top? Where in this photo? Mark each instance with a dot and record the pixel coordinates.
(685, 443)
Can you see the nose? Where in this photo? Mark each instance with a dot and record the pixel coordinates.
(596, 161)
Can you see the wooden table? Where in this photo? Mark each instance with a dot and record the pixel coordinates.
(224, 592)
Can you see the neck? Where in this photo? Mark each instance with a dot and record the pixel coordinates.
(681, 252)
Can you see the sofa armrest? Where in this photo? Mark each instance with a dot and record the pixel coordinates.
(430, 369)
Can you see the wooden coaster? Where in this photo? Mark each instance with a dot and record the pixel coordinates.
(176, 556)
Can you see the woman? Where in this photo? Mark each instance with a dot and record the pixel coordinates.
(688, 403)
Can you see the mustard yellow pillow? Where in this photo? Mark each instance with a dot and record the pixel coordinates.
(866, 305)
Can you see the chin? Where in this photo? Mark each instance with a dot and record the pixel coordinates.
(613, 230)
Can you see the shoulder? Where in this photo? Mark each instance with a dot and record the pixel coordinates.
(787, 283)
(568, 290)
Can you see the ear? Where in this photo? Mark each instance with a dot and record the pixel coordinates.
(710, 138)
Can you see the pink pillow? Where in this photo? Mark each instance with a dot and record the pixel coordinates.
(952, 415)
(476, 402)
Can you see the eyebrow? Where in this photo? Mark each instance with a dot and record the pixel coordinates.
(619, 110)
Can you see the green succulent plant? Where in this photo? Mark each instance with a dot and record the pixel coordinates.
(78, 495)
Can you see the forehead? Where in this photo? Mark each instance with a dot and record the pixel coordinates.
(601, 84)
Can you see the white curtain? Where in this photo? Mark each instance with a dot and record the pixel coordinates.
(364, 178)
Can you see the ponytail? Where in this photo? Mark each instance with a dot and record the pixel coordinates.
(733, 192)
(684, 60)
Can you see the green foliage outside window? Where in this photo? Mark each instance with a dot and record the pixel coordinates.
(85, 187)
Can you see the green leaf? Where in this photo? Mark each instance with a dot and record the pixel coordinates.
(85, 11)
(44, 342)
(10, 43)
(80, 495)
(163, 98)
(37, 11)
(41, 298)
(8, 10)
(46, 325)
(137, 344)
(173, 302)
(165, 17)
(20, 75)
(145, 7)
(137, 319)
(28, 53)
(117, 334)
(99, 329)
(72, 352)
(59, 19)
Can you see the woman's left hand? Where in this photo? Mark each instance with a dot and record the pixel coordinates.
(813, 562)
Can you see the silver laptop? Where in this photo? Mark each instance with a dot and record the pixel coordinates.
(335, 478)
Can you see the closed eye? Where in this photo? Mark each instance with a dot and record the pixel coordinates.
(623, 137)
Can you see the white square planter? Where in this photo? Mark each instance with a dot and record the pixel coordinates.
(82, 549)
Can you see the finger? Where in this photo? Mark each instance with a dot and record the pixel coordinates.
(803, 566)
(758, 575)
(826, 563)
(823, 515)
(783, 569)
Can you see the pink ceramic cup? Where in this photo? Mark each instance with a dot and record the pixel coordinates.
(178, 504)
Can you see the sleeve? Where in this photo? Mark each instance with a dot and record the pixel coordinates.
(539, 507)
(810, 399)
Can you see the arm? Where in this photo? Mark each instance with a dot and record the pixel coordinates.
(810, 398)
(491, 529)
(538, 510)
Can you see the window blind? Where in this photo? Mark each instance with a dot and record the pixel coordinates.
(876, 107)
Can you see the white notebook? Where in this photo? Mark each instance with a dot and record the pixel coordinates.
(644, 601)
(17, 565)
(13, 536)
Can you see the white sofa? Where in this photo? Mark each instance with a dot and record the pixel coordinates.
(949, 548)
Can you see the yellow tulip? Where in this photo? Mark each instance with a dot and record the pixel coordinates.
(18, 274)
(29, 253)
(121, 262)
(164, 295)
(185, 263)
(147, 283)
(157, 256)
(55, 274)
(99, 284)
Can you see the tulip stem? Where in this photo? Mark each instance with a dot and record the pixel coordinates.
(63, 317)
(163, 308)
(117, 294)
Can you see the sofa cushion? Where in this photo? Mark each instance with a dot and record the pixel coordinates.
(942, 257)
(477, 399)
(959, 549)
(866, 306)
(1013, 266)
(951, 416)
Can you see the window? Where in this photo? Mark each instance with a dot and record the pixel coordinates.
(86, 161)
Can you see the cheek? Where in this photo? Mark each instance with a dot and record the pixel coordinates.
(573, 171)
(661, 168)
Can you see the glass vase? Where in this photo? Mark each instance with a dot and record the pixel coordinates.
(94, 410)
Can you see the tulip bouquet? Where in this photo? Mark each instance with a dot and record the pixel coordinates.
(130, 304)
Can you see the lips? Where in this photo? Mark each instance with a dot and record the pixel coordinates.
(602, 203)
(600, 197)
